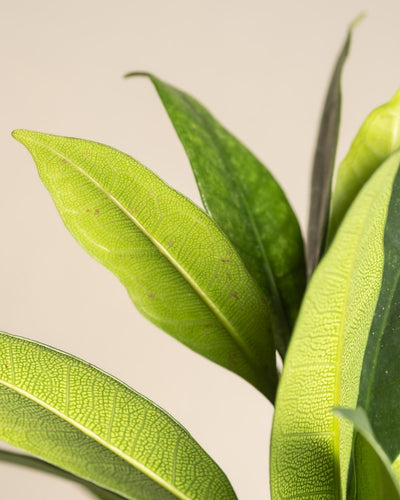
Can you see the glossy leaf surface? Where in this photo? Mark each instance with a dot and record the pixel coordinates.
(247, 203)
(373, 472)
(380, 377)
(36, 464)
(75, 416)
(377, 138)
(180, 270)
(310, 449)
(324, 162)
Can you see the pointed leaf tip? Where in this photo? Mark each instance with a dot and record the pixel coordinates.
(138, 73)
(17, 134)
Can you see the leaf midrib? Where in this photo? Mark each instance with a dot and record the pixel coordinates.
(216, 311)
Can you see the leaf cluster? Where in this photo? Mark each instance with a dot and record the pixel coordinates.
(234, 283)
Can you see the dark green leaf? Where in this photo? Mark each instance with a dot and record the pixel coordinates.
(324, 160)
(246, 202)
(380, 376)
(179, 268)
(374, 476)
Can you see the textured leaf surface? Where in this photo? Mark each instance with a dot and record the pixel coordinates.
(310, 449)
(380, 377)
(179, 269)
(373, 472)
(324, 161)
(377, 138)
(247, 203)
(39, 465)
(76, 417)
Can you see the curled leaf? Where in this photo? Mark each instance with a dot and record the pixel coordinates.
(377, 138)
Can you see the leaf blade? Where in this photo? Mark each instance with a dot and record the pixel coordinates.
(179, 269)
(324, 160)
(377, 138)
(373, 472)
(324, 361)
(379, 391)
(246, 202)
(76, 417)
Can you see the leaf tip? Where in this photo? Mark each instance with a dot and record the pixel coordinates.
(139, 73)
(361, 16)
(21, 135)
(18, 133)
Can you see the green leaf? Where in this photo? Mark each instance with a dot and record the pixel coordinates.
(380, 376)
(310, 450)
(373, 472)
(324, 161)
(73, 415)
(246, 202)
(179, 269)
(377, 138)
(39, 465)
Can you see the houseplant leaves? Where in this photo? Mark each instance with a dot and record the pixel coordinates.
(179, 269)
(323, 364)
(246, 202)
(76, 417)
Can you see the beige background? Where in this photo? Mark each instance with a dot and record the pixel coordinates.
(262, 66)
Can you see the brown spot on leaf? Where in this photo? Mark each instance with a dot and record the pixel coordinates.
(170, 243)
(97, 211)
(234, 295)
(151, 295)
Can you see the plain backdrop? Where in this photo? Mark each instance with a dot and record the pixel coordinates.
(262, 67)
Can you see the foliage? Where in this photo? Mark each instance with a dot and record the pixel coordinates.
(230, 283)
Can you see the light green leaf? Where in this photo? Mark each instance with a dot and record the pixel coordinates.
(373, 472)
(324, 161)
(39, 465)
(246, 202)
(377, 138)
(179, 269)
(73, 415)
(310, 450)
